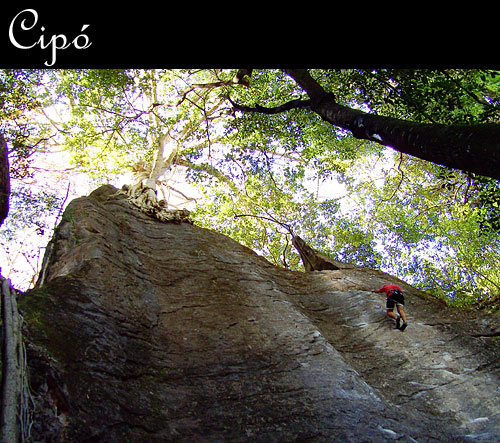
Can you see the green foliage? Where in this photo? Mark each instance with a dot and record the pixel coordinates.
(102, 127)
(431, 96)
(264, 177)
(485, 195)
(430, 230)
(17, 95)
(18, 98)
(35, 204)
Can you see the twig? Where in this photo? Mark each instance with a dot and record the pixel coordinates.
(400, 181)
(50, 245)
(62, 205)
(285, 264)
(270, 218)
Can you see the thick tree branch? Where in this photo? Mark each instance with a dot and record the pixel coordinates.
(471, 148)
(293, 104)
(209, 169)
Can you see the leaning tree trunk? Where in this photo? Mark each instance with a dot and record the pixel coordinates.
(4, 180)
(471, 148)
(313, 260)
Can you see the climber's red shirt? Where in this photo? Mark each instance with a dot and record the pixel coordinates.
(389, 288)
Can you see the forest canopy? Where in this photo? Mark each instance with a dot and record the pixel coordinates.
(387, 168)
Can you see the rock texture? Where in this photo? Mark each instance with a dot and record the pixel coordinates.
(144, 331)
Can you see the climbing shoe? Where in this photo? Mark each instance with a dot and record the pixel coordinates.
(398, 322)
(403, 326)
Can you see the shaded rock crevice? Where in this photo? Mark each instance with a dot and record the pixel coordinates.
(170, 332)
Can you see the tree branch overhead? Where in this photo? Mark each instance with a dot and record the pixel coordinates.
(470, 148)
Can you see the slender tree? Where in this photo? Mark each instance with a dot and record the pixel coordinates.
(4, 180)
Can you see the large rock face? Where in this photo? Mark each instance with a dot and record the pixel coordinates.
(144, 331)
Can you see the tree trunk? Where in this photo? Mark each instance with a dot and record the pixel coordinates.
(4, 180)
(163, 161)
(11, 379)
(142, 192)
(312, 260)
(471, 148)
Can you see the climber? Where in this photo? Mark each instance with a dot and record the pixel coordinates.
(396, 298)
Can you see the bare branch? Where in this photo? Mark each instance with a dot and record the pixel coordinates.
(270, 218)
(293, 104)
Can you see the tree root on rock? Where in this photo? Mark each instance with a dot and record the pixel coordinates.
(145, 199)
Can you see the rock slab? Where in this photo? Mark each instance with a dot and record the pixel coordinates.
(146, 331)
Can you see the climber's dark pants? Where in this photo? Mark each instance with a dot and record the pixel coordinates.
(398, 300)
(394, 300)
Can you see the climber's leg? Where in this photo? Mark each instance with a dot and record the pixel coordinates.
(390, 309)
(401, 312)
(390, 313)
